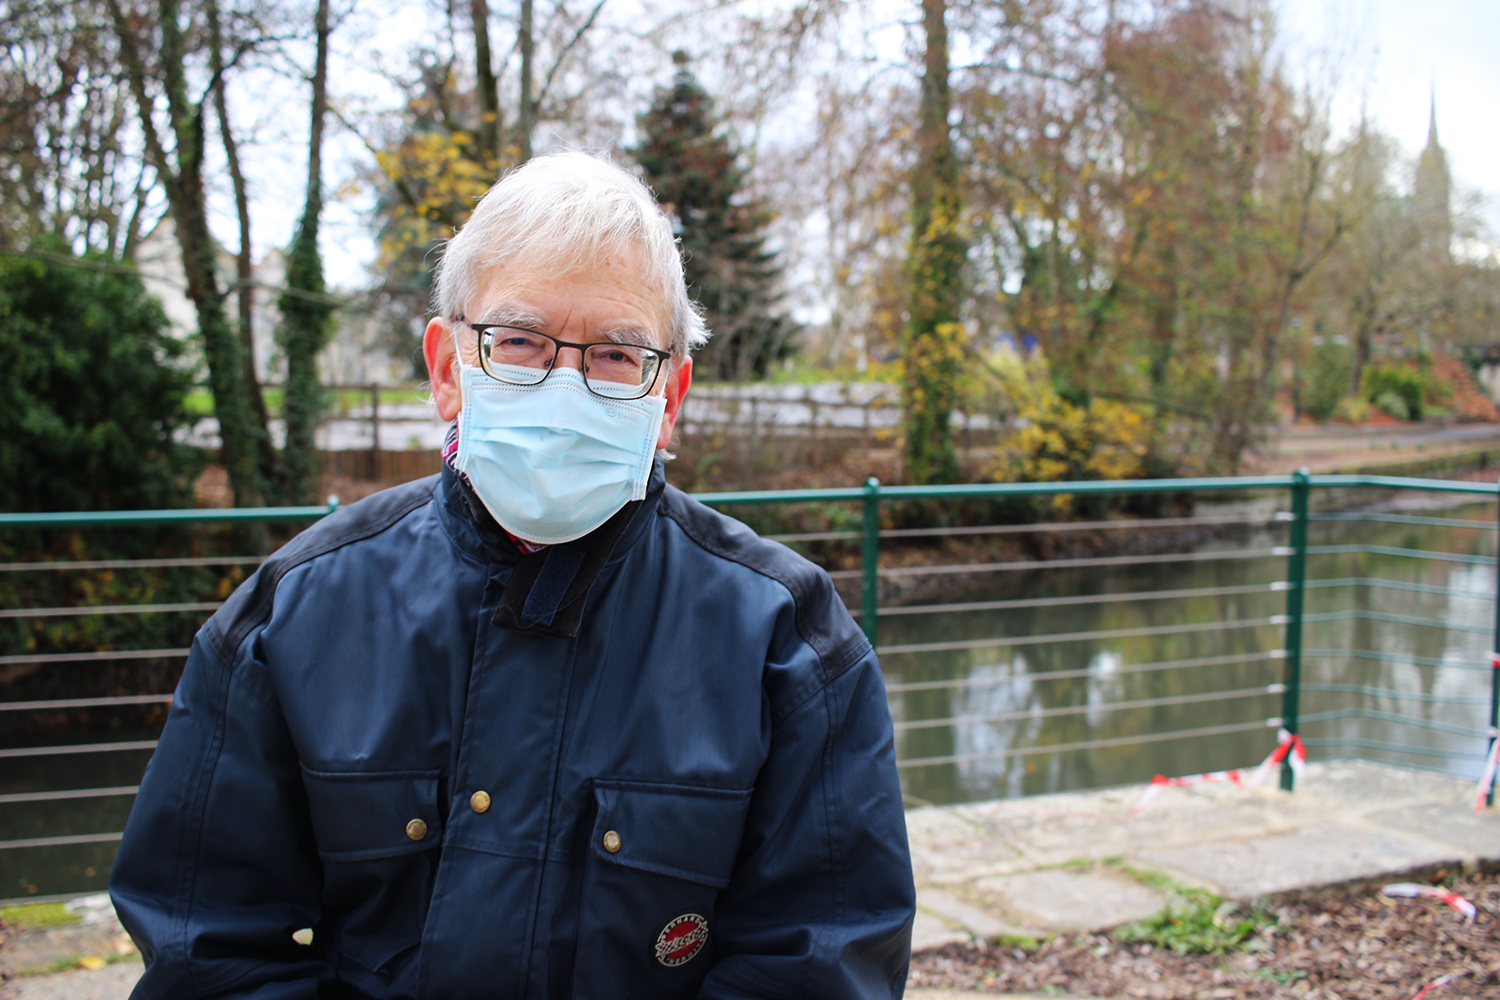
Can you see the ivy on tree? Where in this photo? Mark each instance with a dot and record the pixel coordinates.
(693, 168)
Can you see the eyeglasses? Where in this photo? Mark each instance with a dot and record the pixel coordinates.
(525, 357)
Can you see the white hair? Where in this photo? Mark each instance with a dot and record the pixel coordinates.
(569, 212)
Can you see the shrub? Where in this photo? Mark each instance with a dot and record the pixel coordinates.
(1392, 404)
(1327, 380)
(1060, 440)
(1352, 410)
(93, 389)
(1385, 380)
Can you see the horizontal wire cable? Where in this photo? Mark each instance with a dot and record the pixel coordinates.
(103, 702)
(93, 657)
(1356, 614)
(1416, 661)
(1406, 720)
(108, 609)
(1116, 741)
(1108, 633)
(1436, 522)
(1415, 588)
(1125, 668)
(1049, 713)
(1354, 741)
(71, 793)
(78, 838)
(1080, 563)
(1085, 599)
(1027, 529)
(1375, 692)
(78, 748)
(1388, 550)
(68, 564)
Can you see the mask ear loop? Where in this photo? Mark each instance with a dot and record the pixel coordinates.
(455, 325)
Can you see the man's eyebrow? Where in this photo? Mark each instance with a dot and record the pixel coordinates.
(637, 336)
(511, 316)
(625, 333)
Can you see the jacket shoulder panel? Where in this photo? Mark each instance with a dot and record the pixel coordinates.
(821, 618)
(250, 605)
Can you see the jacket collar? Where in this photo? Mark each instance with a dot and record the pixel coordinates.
(546, 591)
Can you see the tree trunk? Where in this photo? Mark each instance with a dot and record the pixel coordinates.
(527, 124)
(238, 433)
(244, 287)
(306, 311)
(489, 87)
(933, 348)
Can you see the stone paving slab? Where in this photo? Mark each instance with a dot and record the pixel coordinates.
(1068, 899)
(1318, 855)
(1043, 864)
(113, 982)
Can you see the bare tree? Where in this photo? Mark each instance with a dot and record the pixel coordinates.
(171, 118)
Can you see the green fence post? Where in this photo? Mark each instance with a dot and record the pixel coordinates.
(1296, 574)
(870, 584)
(1495, 655)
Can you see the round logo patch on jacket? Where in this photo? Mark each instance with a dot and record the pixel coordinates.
(681, 939)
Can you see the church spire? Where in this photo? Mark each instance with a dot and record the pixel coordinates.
(1432, 191)
(1432, 136)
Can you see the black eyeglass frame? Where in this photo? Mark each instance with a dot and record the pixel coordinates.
(663, 357)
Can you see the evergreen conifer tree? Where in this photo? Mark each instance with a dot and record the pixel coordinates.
(694, 170)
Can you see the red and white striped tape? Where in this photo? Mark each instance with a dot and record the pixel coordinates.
(1413, 889)
(1439, 981)
(1487, 776)
(1286, 744)
(1289, 746)
(1161, 781)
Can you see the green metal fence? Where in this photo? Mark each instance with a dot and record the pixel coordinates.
(1299, 489)
(1257, 669)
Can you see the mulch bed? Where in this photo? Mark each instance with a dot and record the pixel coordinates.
(1330, 944)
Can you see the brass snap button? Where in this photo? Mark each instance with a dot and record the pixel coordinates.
(416, 829)
(611, 841)
(479, 801)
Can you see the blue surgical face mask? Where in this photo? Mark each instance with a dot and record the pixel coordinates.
(553, 461)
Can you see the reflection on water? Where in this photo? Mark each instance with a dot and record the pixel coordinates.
(1005, 690)
(978, 723)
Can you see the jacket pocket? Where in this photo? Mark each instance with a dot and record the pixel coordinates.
(377, 876)
(658, 856)
(361, 815)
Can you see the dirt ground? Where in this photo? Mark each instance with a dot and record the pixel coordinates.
(1331, 944)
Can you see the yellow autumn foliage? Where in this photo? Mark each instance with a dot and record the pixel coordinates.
(439, 181)
(1054, 439)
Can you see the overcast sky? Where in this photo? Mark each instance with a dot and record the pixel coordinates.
(1391, 56)
(1397, 53)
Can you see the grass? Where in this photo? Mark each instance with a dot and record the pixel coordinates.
(1195, 921)
(69, 962)
(28, 915)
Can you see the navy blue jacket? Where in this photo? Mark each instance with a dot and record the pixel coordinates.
(683, 738)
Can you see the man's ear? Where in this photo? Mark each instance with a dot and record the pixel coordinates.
(442, 367)
(677, 387)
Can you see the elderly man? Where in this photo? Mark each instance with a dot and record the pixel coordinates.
(541, 726)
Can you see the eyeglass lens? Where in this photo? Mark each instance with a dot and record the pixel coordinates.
(524, 357)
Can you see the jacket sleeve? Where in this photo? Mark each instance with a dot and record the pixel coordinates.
(217, 868)
(821, 904)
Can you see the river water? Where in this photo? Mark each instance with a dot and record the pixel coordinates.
(1022, 695)
(992, 713)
